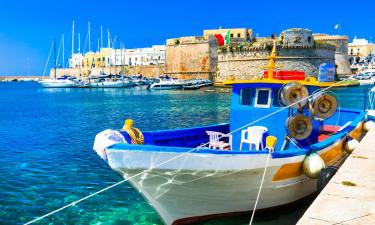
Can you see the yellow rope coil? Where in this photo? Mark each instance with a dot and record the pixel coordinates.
(135, 134)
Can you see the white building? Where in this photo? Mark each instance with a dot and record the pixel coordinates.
(76, 60)
(139, 56)
(154, 55)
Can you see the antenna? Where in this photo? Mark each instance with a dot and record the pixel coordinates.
(89, 37)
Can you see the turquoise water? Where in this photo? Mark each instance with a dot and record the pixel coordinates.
(47, 161)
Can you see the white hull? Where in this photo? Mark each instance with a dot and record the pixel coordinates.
(166, 86)
(111, 84)
(58, 84)
(198, 185)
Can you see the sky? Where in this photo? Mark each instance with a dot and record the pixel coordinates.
(28, 28)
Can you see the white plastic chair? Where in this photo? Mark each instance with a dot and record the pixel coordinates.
(216, 140)
(253, 136)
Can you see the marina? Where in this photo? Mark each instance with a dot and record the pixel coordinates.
(30, 168)
(177, 113)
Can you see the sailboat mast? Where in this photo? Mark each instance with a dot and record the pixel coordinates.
(110, 52)
(108, 39)
(79, 51)
(79, 42)
(89, 38)
(54, 50)
(63, 51)
(101, 37)
(73, 40)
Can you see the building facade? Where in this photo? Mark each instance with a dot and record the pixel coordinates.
(236, 34)
(361, 47)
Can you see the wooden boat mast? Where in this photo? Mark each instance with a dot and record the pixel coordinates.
(272, 61)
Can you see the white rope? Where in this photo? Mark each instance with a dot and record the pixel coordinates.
(261, 185)
(171, 159)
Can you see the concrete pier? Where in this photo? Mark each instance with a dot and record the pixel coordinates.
(349, 198)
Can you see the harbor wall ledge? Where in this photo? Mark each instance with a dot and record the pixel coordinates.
(18, 77)
(349, 198)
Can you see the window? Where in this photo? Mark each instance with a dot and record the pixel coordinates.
(238, 35)
(246, 96)
(263, 98)
(231, 35)
(276, 99)
(309, 39)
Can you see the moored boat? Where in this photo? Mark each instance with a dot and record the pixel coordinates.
(197, 173)
(166, 83)
(61, 82)
(110, 81)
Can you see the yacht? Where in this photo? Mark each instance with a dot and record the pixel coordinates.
(61, 82)
(166, 83)
(110, 81)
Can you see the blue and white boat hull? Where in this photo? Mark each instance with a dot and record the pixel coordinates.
(186, 185)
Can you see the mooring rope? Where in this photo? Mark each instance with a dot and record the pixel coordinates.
(270, 151)
(176, 157)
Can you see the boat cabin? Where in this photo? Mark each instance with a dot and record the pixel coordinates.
(259, 104)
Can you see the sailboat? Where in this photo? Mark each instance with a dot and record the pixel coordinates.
(109, 80)
(287, 130)
(59, 82)
(64, 81)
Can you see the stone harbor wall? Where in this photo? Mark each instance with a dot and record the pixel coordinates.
(251, 62)
(191, 57)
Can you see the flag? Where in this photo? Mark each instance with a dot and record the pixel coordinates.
(337, 26)
(223, 39)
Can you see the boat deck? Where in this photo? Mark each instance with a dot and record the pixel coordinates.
(349, 198)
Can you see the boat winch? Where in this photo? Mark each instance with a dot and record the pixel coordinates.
(294, 94)
(312, 165)
(299, 126)
(323, 105)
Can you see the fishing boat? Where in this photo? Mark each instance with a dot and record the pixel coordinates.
(288, 130)
(166, 83)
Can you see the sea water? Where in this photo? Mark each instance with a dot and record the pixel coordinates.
(47, 161)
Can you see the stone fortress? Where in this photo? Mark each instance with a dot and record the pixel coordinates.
(298, 49)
